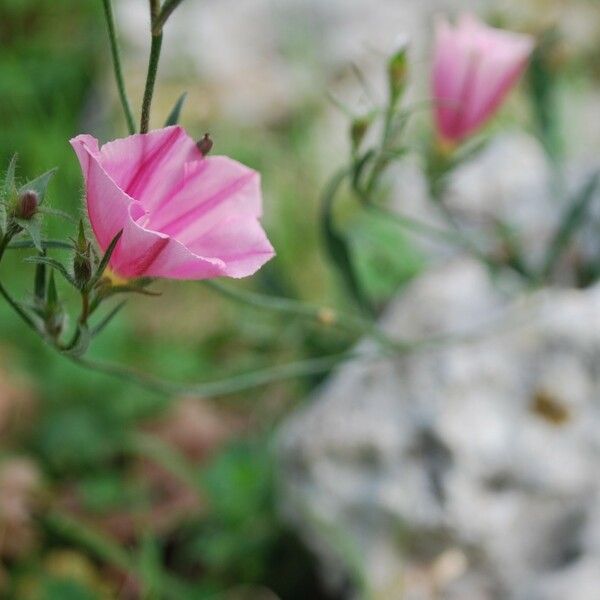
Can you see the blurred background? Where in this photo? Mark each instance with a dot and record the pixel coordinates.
(317, 488)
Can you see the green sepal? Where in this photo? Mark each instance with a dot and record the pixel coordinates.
(39, 184)
(105, 260)
(55, 264)
(7, 191)
(33, 227)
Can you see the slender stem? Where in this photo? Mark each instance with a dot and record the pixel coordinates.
(46, 245)
(168, 7)
(4, 241)
(116, 58)
(229, 385)
(17, 308)
(321, 314)
(150, 81)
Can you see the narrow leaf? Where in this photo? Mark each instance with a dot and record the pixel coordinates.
(108, 318)
(105, 259)
(572, 220)
(175, 113)
(336, 244)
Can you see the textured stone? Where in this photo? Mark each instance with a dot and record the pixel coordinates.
(487, 449)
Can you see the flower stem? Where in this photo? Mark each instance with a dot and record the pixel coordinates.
(150, 81)
(225, 386)
(168, 7)
(321, 314)
(114, 48)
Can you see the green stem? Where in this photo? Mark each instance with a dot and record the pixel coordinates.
(229, 385)
(116, 58)
(168, 7)
(321, 314)
(46, 245)
(150, 81)
(17, 308)
(4, 241)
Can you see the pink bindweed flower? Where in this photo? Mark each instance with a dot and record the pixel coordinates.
(475, 66)
(183, 215)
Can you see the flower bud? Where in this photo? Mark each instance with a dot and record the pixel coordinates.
(358, 129)
(205, 144)
(398, 73)
(82, 268)
(26, 205)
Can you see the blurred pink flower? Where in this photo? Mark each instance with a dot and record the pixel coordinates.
(183, 215)
(475, 66)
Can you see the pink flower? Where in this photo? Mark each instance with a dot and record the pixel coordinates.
(183, 215)
(475, 66)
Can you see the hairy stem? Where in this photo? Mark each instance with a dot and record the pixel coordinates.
(116, 59)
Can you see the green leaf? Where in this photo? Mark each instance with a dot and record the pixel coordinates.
(544, 90)
(107, 319)
(39, 184)
(571, 221)
(105, 259)
(175, 113)
(55, 264)
(337, 246)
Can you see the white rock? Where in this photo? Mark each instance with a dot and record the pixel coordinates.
(488, 448)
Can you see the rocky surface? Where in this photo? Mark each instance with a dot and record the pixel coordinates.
(469, 470)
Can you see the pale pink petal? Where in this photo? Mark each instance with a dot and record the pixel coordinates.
(107, 204)
(148, 166)
(209, 189)
(451, 69)
(498, 72)
(475, 66)
(239, 241)
(183, 216)
(145, 253)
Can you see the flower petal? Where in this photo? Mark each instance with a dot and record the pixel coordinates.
(239, 241)
(107, 205)
(210, 188)
(149, 166)
(475, 67)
